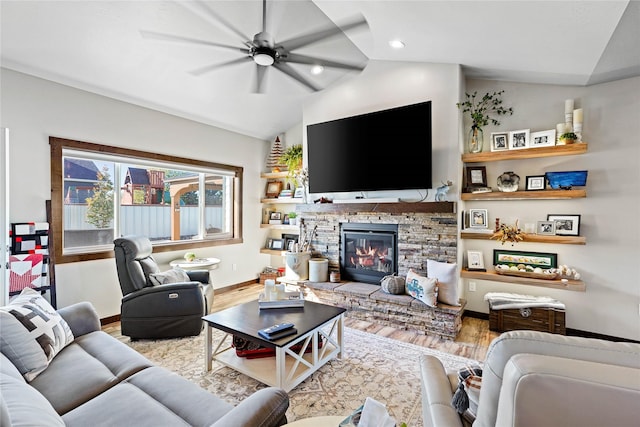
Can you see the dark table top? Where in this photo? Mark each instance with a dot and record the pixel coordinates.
(246, 319)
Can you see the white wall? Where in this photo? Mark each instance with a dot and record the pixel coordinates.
(34, 109)
(610, 261)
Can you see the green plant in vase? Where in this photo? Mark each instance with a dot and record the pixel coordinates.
(292, 158)
(481, 110)
(567, 138)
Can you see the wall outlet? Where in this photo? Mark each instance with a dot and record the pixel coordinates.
(234, 267)
(472, 286)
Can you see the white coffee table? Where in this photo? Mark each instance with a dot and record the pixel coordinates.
(330, 421)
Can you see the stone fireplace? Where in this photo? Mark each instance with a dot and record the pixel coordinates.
(426, 230)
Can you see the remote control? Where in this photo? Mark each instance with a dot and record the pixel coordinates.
(277, 335)
(276, 328)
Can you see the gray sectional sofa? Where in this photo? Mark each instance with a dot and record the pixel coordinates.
(97, 380)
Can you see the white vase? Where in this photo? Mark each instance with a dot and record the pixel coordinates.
(297, 265)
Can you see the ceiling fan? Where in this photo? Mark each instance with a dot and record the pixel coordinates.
(263, 50)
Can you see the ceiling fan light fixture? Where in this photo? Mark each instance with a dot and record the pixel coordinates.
(317, 69)
(396, 44)
(264, 56)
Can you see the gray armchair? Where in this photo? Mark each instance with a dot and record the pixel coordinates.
(158, 311)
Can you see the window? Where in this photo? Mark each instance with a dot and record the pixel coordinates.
(101, 192)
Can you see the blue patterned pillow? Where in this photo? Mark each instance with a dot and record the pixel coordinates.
(32, 333)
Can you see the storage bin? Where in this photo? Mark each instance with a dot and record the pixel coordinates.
(535, 318)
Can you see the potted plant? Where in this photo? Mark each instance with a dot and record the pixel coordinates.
(567, 138)
(293, 218)
(480, 112)
(292, 158)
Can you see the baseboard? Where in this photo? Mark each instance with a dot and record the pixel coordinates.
(570, 332)
(110, 319)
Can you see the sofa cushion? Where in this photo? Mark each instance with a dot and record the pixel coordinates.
(161, 398)
(175, 275)
(446, 274)
(22, 405)
(32, 333)
(92, 364)
(422, 288)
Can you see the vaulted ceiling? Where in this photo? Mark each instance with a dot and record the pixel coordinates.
(98, 46)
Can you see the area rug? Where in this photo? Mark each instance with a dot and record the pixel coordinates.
(382, 368)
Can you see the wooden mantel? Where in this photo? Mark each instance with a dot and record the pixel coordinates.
(394, 208)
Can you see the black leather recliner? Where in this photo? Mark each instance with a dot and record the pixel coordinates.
(160, 311)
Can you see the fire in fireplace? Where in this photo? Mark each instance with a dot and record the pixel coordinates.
(368, 251)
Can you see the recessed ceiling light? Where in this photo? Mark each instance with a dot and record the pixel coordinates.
(396, 44)
(317, 69)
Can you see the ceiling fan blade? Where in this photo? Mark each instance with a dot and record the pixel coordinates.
(207, 68)
(210, 14)
(180, 39)
(260, 73)
(304, 59)
(326, 32)
(285, 68)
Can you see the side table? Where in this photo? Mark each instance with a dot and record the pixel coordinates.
(196, 264)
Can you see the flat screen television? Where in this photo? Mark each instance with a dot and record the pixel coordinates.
(378, 151)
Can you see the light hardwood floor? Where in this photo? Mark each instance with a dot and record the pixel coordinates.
(472, 341)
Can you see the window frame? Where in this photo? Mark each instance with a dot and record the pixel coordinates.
(57, 145)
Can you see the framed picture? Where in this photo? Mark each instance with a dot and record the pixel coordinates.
(519, 139)
(478, 218)
(499, 141)
(299, 193)
(275, 215)
(546, 228)
(273, 189)
(545, 138)
(475, 261)
(534, 259)
(477, 176)
(536, 183)
(289, 241)
(276, 244)
(566, 225)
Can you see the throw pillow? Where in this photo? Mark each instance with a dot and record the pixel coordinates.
(393, 285)
(447, 278)
(32, 333)
(467, 395)
(422, 288)
(176, 275)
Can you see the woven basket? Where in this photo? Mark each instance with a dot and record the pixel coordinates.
(393, 285)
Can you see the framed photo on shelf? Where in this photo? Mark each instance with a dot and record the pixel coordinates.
(289, 241)
(545, 138)
(566, 225)
(519, 139)
(475, 261)
(273, 189)
(499, 141)
(534, 259)
(478, 218)
(546, 228)
(536, 183)
(476, 176)
(298, 193)
(276, 244)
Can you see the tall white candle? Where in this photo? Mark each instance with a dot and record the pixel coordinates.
(568, 106)
(577, 116)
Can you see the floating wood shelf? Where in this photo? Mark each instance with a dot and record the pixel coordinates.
(287, 200)
(526, 195)
(274, 175)
(527, 153)
(572, 285)
(293, 228)
(271, 252)
(533, 238)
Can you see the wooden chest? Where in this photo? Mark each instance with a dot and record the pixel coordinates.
(535, 319)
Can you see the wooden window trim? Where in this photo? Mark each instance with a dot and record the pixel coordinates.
(57, 145)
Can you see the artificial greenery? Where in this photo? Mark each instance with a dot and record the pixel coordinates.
(292, 215)
(100, 205)
(569, 135)
(292, 158)
(481, 109)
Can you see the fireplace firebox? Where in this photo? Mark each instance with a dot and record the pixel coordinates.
(368, 252)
